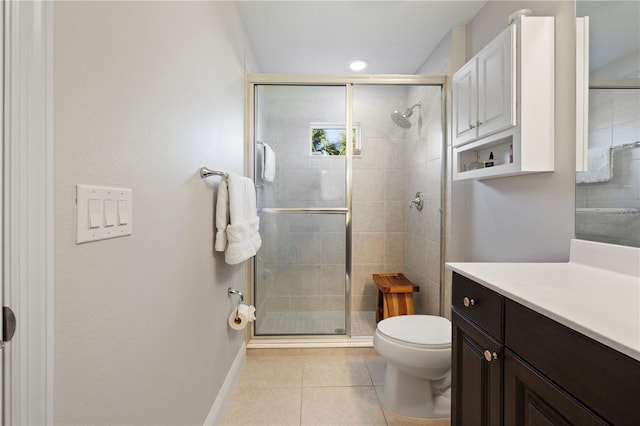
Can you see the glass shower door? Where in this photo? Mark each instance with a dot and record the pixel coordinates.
(300, 271)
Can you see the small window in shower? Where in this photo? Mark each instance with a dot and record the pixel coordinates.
(331, 139)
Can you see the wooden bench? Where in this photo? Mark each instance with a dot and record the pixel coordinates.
(395, 295)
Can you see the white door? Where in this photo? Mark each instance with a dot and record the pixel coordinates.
(465, 103)
(3, 386)
(26, 170)
(496, 81)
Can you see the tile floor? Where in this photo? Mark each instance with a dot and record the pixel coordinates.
(314, 390)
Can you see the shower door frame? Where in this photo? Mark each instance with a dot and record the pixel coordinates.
(348, 82)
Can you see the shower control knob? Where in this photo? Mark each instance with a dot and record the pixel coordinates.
(418, 201)
(490, 356)
(468, 302)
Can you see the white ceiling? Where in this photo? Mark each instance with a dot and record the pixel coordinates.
(322, 37)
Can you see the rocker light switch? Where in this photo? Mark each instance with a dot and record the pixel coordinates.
(109, 212)
(94, 213)
(123, 212)
(102, 213)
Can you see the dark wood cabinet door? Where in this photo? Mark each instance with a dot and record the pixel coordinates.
(476, 381)
(533, 400)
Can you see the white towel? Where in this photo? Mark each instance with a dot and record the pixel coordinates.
(222, 216)
(599, 166)
(237, 223)
(268, 163)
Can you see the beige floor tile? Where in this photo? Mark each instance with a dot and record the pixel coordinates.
(335, 371)
(356, 405)
(397, 420)
(377, 368)
(262, 406)
(261, 372)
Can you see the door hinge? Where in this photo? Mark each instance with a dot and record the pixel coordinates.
(8, 324)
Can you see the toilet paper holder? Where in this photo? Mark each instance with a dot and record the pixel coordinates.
(239, 293)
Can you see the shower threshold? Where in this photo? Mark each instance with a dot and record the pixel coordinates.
(286, 329)
(309, 342)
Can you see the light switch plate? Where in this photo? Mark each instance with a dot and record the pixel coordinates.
(108, 226)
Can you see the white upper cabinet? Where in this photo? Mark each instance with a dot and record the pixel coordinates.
(484, 92)
(465, 103)
(503, 104)
(496, 90)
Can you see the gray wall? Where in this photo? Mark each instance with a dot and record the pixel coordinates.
(144, 94)
(531, 217)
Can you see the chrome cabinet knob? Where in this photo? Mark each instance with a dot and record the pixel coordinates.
(471, 126)
(490, 356)
(468, 302)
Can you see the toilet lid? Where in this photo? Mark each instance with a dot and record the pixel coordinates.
(428, 330)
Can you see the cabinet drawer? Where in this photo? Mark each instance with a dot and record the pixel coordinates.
(485, 307)
(603, 379)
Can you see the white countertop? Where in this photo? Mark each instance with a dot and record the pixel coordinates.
(599, 303)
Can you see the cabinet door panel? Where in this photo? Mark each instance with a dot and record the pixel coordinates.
(496, 99)
(477, 383)
(532, 399)
(603, 379)
(465, 103)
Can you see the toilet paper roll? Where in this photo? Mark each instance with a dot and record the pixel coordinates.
(239, 319)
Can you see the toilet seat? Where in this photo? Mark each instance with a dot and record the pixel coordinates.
(424, 331)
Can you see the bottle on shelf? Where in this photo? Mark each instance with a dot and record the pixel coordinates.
(490, 162)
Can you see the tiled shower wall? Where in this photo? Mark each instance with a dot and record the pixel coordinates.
(379, 198)
(614, 120)
(423, 156)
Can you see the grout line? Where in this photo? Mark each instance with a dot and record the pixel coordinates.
(384, 415)
(302, 388)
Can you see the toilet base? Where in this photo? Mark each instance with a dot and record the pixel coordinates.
(411, 396)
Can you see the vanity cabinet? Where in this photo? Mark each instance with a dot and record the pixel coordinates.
(477, 355)
(503, 103)
(532, 369)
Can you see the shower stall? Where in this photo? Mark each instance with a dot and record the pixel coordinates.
(350, 154)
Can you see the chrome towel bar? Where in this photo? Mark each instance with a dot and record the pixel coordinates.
(205, 173)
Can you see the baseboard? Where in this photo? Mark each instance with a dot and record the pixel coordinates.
(216, 414)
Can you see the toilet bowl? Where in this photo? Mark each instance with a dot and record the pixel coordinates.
(417, 349)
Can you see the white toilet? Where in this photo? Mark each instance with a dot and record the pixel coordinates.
(417, 349)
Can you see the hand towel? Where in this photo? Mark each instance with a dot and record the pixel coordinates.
(599, 166)
(268, 163)
(237, 219)
(222, 216)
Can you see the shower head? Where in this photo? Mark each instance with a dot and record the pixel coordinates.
(402, 118)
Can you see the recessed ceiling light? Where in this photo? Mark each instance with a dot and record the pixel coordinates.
(358, 65)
